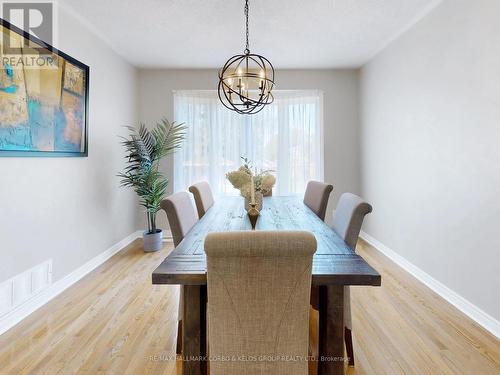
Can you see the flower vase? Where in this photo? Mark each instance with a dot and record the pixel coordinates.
(258, 202)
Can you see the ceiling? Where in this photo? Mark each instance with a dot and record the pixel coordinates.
(290, 33)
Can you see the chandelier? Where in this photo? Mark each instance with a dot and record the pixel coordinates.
(246, 81)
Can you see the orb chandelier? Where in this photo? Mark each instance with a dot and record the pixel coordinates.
(246, 81)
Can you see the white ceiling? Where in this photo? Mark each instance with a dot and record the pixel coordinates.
(290, 33)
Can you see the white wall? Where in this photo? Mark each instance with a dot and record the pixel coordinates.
(340, 90)
(430, 131)
(71, 209)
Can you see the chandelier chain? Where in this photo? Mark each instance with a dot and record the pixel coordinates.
(247, 49)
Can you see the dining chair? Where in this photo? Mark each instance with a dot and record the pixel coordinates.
(316, 197)
(181, 218)
(203, 197)
(347, 221)
(258, 292)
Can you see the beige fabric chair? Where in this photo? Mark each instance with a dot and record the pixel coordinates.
(347, 222)
(181, 218)
(180, 213)
(258, 293)
(316, 197)
(203, 197)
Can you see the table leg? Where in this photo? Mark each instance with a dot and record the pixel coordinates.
(194, 343)
(331, 330)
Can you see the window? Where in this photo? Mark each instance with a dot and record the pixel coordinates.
(285, 137)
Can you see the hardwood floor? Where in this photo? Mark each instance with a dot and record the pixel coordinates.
(114, 321)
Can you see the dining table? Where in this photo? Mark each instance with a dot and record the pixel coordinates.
(335, 266)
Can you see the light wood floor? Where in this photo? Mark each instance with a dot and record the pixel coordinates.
(115, 322)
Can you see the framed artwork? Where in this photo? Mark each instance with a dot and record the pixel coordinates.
(43, 98)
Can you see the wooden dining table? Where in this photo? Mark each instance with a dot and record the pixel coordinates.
(335, 266)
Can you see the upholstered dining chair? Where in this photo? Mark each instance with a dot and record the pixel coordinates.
(203, 197)
(258, 293)
(316, 197)
(347, 221)
(181, 218)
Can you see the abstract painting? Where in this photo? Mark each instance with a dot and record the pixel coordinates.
(43, 98)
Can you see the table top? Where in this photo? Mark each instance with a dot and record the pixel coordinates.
(333, 264)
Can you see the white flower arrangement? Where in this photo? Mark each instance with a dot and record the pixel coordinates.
(241, 179)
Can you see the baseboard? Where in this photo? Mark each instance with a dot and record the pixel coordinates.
(167, 235)
(34, 303)
(472, 311)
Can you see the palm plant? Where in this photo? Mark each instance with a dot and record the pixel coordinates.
(144, 150)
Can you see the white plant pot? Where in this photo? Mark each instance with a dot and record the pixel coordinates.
(152, 241)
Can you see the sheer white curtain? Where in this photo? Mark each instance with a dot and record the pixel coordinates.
(286, 136)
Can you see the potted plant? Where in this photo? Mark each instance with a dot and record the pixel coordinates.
(144, 150)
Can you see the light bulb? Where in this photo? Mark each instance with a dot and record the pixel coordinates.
(262, 75)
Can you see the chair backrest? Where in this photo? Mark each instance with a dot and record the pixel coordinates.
(180, 213)
(259, 286)
(203, 197)
(348, 217)
(316, 197)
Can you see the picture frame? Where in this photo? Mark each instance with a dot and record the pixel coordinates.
(44, 107)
